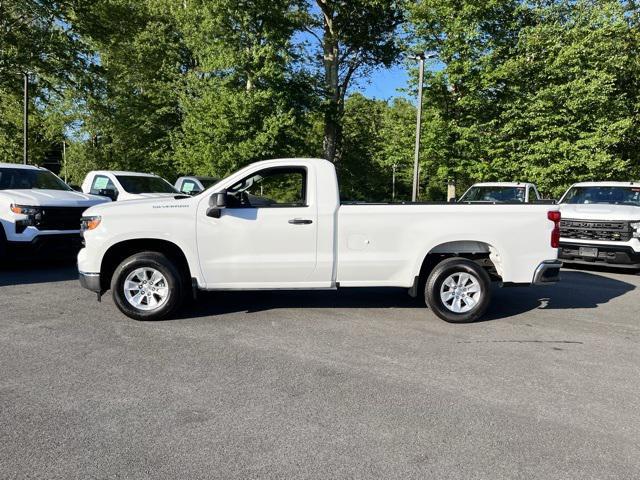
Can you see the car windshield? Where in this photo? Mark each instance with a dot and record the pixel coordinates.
(207, 182)
(495, 194)
(142, 184)
(29, 179)
(603, 195)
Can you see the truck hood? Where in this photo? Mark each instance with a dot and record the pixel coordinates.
(135, 196)
(144, 205)
(600, 212)
(52, 198)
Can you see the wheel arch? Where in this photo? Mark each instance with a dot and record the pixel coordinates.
(480, 251)
(119, 251)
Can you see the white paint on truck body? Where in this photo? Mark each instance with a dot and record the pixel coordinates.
(353, 245)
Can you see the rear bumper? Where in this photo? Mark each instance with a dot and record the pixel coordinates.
(90, 281)
(65, 245)
(547, 272)
(622, 256)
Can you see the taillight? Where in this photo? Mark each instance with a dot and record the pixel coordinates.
(555, 217)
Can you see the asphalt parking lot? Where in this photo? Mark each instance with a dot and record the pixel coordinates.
(348, 384)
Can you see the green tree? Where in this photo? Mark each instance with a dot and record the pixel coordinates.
(354, 36)
(243, 100)
(36, 38)
(540, 91)
(361, 176)
(127, 119)
(575, 115)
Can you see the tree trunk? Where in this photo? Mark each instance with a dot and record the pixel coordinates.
(331, 141)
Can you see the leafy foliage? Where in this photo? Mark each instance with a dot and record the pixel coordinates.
(243, 99)
(35, 38)
(536, 91)
(543, 91)
(353, 37)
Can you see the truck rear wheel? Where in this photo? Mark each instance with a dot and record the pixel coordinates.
(458, 290)
(147, 286)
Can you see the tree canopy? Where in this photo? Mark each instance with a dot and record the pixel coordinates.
(542, 91)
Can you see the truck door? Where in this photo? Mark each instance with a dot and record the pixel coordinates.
(265, 236)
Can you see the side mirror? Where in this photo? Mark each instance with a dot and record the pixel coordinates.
(217, 202)
(452, 200)
(109, 193)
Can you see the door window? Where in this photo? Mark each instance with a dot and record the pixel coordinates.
(189, 186)
(272, 187)
(100, 182)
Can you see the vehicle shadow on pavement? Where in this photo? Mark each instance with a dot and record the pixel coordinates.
(216, 303)
(32, 271)
(575, 291)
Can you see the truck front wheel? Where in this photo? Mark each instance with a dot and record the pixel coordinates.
(458, 290)
(147, 286)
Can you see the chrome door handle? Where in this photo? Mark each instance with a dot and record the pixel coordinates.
(300, 221)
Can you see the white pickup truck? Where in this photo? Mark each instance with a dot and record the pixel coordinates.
(501, 192)
(39, 213)
(126, 185)
(279, 224)
(601, 224)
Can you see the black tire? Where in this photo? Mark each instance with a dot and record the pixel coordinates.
(450, 268)
(3, 245)
(153, 261)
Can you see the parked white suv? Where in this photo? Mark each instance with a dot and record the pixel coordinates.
(279, 224)
(39, 212)
(501, 192)
(127, 185)
(601, 224)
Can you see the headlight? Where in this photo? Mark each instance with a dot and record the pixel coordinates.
(90, 223)
(25, 209)
(636, 227)
(33, 214)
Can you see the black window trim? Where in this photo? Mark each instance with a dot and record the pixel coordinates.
(91, 189)
(196, 187)
(305, 173)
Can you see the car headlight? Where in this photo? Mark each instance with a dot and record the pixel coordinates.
(33, 214)
(25, 210)
(636, 227)
(90, 223)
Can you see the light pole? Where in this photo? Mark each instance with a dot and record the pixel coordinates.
(421, 57)
(393, 182)
(64, 157)
(25, 120)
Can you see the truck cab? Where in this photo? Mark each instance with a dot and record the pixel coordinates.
(501, 192)
(601, 224)
(39, 213)
(120, 186)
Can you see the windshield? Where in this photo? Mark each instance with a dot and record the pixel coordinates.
(495, 194)
(208, 182)
(603, 195)
(138, 184)
(29, 179)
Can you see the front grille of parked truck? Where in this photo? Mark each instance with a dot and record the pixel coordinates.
(603, 230)
(60, 218)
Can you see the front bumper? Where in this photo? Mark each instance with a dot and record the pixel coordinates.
(622, 256)
(90, 281)
(64, 245)
(547, 272)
